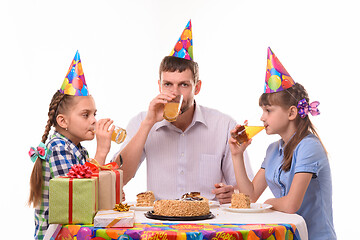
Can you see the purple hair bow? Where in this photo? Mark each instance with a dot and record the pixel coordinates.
(305, 108)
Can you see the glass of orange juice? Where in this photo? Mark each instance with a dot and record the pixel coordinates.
(172, 109)
(118, 135)
(244, 133)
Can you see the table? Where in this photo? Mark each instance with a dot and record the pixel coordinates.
(268, 224)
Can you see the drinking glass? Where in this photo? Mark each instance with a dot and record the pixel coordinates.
(245, 133)
(172, 109)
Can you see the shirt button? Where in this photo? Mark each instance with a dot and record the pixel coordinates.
(182, 172)
(182, 134)
(182, 154)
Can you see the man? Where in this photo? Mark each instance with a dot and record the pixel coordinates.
(190, 154)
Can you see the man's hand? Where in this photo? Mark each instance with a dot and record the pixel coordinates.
(156, 107)
(223, 192)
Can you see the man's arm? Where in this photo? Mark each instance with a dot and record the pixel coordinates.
(132, 152)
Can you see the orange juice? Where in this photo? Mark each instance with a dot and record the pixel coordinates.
(245, 133)
(118, 135)
(171, 111)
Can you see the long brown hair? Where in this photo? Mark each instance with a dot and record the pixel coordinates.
(59, 104)
(286, 99)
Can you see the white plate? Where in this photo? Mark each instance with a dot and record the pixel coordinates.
(254, 207)
(214, 203)
(134, 207)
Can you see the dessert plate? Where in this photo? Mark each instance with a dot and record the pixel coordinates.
(134, 207)
(150, 214)
(254, 207)
(214, 203)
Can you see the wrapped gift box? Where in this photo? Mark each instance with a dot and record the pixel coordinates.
(110, 188)
(111, 218)
(73, 200)
(52, 231)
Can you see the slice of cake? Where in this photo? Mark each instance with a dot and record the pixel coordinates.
(145, 199)
(240, 200)
(187, 206)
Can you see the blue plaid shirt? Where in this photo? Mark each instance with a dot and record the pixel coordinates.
(63, 155)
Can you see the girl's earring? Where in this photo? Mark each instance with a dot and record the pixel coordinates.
(66, 129)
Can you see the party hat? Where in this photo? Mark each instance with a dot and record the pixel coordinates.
(277, 78)
(74, 82)
(184, 46)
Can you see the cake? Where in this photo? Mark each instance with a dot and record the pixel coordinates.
(190, 205)
(191, 195)
(240, 200)
(145, 199)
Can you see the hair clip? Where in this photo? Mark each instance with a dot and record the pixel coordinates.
(305, 108)
(40, 151)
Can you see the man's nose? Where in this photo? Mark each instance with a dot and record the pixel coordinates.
(176, 90)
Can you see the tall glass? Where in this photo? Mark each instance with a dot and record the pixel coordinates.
(172, 109)
(118, 135)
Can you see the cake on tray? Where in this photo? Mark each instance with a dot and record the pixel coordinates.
(240, 200)
(145, 199)
(190, 205)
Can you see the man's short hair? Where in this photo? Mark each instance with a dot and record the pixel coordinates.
(173, 64)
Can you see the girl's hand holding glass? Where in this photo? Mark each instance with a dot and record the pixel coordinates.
(235, 147)
(103, 138)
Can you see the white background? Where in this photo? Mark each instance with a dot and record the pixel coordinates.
(121, 44)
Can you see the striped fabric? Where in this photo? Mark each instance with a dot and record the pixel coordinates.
(63, 155)
(193, 160)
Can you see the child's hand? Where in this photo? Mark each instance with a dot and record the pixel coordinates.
(235, 147)
(103, 138)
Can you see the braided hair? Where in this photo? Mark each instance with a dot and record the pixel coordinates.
(286, 99)
(59, 104)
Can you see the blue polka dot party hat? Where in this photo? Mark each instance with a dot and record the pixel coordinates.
(277, 78)
(184, 46)
(74, 83)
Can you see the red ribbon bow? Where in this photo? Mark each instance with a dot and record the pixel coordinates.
(79, 171)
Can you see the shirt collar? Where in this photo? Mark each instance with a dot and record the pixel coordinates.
(79, 151)
(282, 145)
(198, 117)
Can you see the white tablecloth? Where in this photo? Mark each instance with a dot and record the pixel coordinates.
(265, 217)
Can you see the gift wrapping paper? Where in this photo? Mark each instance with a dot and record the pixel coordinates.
(73, 200)
(111, 218)
(110, 188)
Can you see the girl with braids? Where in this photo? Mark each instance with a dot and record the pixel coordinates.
(296, 167)
(72, 113)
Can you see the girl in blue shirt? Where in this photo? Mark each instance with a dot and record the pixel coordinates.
(296, 167)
